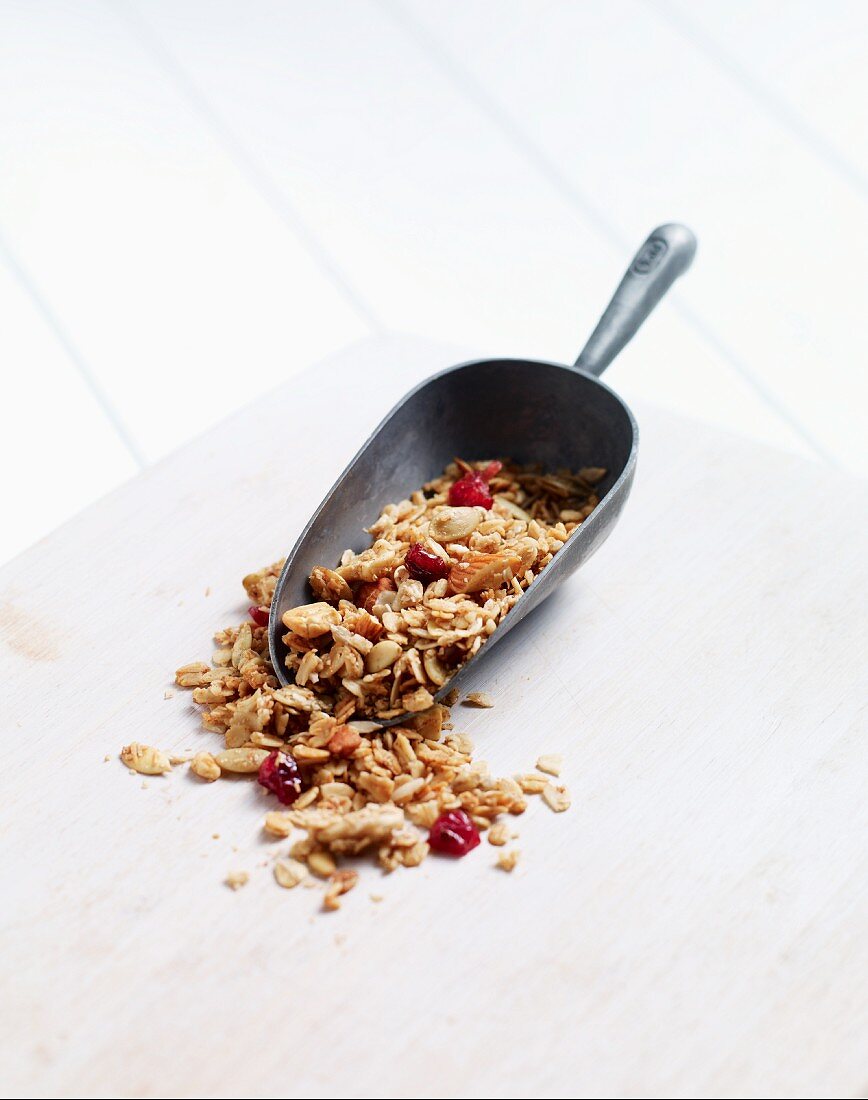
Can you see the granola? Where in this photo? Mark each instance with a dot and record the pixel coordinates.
(389, 626)
(377, 640)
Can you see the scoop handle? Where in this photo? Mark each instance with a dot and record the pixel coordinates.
(667, 253)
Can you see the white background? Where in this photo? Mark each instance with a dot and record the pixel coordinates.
(200, 198)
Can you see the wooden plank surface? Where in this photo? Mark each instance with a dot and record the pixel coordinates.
(434, 213)
(180, 286)
(631, 119)
(206, 196)
(693, 925)
(47, 470)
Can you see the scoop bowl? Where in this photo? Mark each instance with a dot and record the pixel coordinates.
(527, 410)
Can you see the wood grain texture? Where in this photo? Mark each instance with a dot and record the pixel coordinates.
(435, 216)
(634, 120)
(170, 275)
(693, 925)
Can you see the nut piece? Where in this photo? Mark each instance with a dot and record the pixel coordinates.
(289, 873)
(344, 741)
(550, 763)
(430, 722)
(311, 620)
(341, 882)
(382, 655)
(329, 585)
(506, 861)
(205, 766)
(556, 798)
(369, 593)
(242, 761)
(479, 699)
(452, 524)
(144, 759)
(364, 624)
(236, 879)
(480, 571)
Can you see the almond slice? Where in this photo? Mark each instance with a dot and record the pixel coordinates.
(480, 571)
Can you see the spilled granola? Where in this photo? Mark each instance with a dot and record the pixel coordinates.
(383, 631)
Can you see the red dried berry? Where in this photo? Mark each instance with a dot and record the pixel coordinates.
(453, 834)
(279, 774)
(259, 615)
(472, 489)
(424, 566)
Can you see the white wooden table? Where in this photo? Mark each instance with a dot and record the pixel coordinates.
(695, 924)
(202, 196)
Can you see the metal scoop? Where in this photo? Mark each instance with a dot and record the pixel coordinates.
(533, 412)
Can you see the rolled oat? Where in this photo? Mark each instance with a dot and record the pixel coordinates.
(289, 872)
(550, 763)
(556, 798)
(340, 883)
(506, 861)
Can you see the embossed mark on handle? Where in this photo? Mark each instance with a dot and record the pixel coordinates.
(649, 256)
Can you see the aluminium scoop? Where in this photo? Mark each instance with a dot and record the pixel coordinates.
(532, 411)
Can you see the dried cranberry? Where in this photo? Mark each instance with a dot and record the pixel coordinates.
(453, 834)
(259, 615)
(472, 489)
(424, 566)
(279, 774)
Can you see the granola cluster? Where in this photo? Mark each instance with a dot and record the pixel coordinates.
(349, 786)
(388, 627)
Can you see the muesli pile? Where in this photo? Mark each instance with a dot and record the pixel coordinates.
(385, 630)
